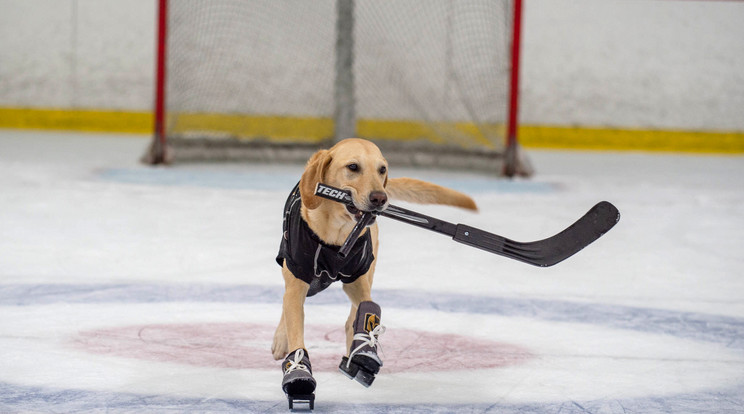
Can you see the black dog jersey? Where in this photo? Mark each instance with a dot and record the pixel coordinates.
(312, 260)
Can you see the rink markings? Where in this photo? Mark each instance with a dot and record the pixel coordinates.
(720, 330)
(724, 330)
(245, 345)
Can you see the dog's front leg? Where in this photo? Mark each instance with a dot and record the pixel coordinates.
(358, 291)
(363, 330)
(293, 304)
(292, 336)
(297, 381)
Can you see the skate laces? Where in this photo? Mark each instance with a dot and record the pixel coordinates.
(370, 339)
(297, 364)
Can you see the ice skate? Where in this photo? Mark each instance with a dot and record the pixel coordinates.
(298, 382)
(363, 363)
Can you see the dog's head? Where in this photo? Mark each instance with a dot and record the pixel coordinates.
(353, 164)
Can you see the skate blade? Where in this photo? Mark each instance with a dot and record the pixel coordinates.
(305, 399)
(356, 372)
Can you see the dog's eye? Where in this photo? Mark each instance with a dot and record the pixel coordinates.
(383, 169)
(353, 167)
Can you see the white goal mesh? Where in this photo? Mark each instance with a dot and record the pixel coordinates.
(428, 80)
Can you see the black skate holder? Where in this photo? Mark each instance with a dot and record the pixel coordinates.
(356, 372)
(308, 399)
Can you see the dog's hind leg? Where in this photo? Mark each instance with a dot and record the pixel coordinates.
(280, 346)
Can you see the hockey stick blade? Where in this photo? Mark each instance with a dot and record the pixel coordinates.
(547, 252)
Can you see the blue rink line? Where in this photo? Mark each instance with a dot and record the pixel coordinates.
(15, 398)
(722, 330)
(276, 180)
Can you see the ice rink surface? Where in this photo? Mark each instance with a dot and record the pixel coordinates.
(131, 289)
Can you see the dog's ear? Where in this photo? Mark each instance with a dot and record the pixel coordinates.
(314, 173)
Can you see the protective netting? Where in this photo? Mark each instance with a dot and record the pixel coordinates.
(428, 76)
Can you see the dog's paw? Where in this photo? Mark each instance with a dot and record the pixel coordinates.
(279, 348)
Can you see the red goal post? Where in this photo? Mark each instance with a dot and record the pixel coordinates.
(432, 82)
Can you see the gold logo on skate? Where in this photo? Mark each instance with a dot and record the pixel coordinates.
(371, 321)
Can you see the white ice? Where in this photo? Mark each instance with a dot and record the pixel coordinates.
(663, 291)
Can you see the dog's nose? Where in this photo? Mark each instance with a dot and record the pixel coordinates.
(378, 198)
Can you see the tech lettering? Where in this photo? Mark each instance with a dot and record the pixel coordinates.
(332, 192)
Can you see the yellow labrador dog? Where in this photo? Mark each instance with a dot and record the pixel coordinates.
(314, 228)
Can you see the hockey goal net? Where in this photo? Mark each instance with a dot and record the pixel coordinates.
(430, 81)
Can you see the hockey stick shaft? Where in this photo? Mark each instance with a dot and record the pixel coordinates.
(393, 212)
(344, 197)
(366, 220)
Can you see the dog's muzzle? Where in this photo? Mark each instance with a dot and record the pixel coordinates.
(377, 201)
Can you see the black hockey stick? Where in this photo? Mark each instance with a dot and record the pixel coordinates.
(366, 220)
(547, 252)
